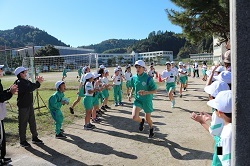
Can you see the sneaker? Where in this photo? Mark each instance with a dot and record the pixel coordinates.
(25, 144)
(107, 107)
(151, 133)
(95, 120)
(93, 126)
(180, 95)
(5, 161)
(121, 103)
(173, 103)
(71, 110)
(141, 126)
(103, 108)
(184, 89)
(174, 93)
(61, 130)
(89, 127)
(35, 140)
(61, 135)
(116, 104)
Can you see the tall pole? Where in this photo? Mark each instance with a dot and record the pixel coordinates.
(240, 41)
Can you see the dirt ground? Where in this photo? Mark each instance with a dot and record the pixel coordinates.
(116, 140)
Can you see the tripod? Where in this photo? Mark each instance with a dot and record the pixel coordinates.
(38, 103)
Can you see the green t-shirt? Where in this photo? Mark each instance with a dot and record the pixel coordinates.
(143, 82)
(55, 101)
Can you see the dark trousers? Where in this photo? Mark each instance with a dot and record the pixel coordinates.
(3, 143)
(196, 72)
(25, 116)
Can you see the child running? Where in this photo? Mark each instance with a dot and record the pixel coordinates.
(89, 92)
(143, 87)
(117, 79)
(55, 103)
(80, 92)
(64, 74)
(128, 76)
(182, 77)
(168, 75)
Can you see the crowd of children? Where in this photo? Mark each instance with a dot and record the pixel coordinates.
(95, 87)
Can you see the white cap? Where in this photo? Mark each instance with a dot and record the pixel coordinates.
(168, 63)
(220, 69)
(172, 62)
(184, 64)
(224, 76)
(96, 75)
(119, 67)
(222, 102)
(88, 76)
(216, 87)
(180, 64)
(1, 66)
(19, 70)
(102, 67)
(106, 71)
(58, 83)
(116, 69)
(140, 63)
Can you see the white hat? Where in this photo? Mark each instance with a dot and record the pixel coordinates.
(168, 63)
(102, 67)
(224, 76)
(96, 75)
(216, 87)
(88, 76)
(58, 83)
(19, 70)
(119, 67)
(140, 63)
(116, 69)
(184, 64)
(222, 102)
(106, 70)
(172, 62)
(180, 64)
(220, 69)
(1, 66)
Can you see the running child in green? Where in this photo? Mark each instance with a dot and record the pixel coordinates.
(143, 87)
(168, 75)
(55, 103)
(182, 77)
(128, 75)
(64, 74)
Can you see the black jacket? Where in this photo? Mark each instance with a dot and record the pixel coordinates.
(25, 92)
(4, 94)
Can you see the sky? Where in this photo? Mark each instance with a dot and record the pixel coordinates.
(85, 22)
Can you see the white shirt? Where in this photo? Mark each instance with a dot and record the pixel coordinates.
(216, 125)
(82, 80)
(151, 73)
(182, 70)
(117, 80)
(175, 70)
(128, 76)
(195, 65)
(88, 86)
(225, 143)
(170, 74)
(204, 67)
(105, 81)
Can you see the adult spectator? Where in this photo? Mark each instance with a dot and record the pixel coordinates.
(4, 95)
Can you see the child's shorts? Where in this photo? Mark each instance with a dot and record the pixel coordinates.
(88, 103)
(170, 86)
(183, 80)
(147, 106)
(105, 93)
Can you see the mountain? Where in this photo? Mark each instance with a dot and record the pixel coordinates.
(27, 35)
(111, 44)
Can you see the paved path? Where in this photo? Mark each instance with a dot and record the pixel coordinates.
(116, 141)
